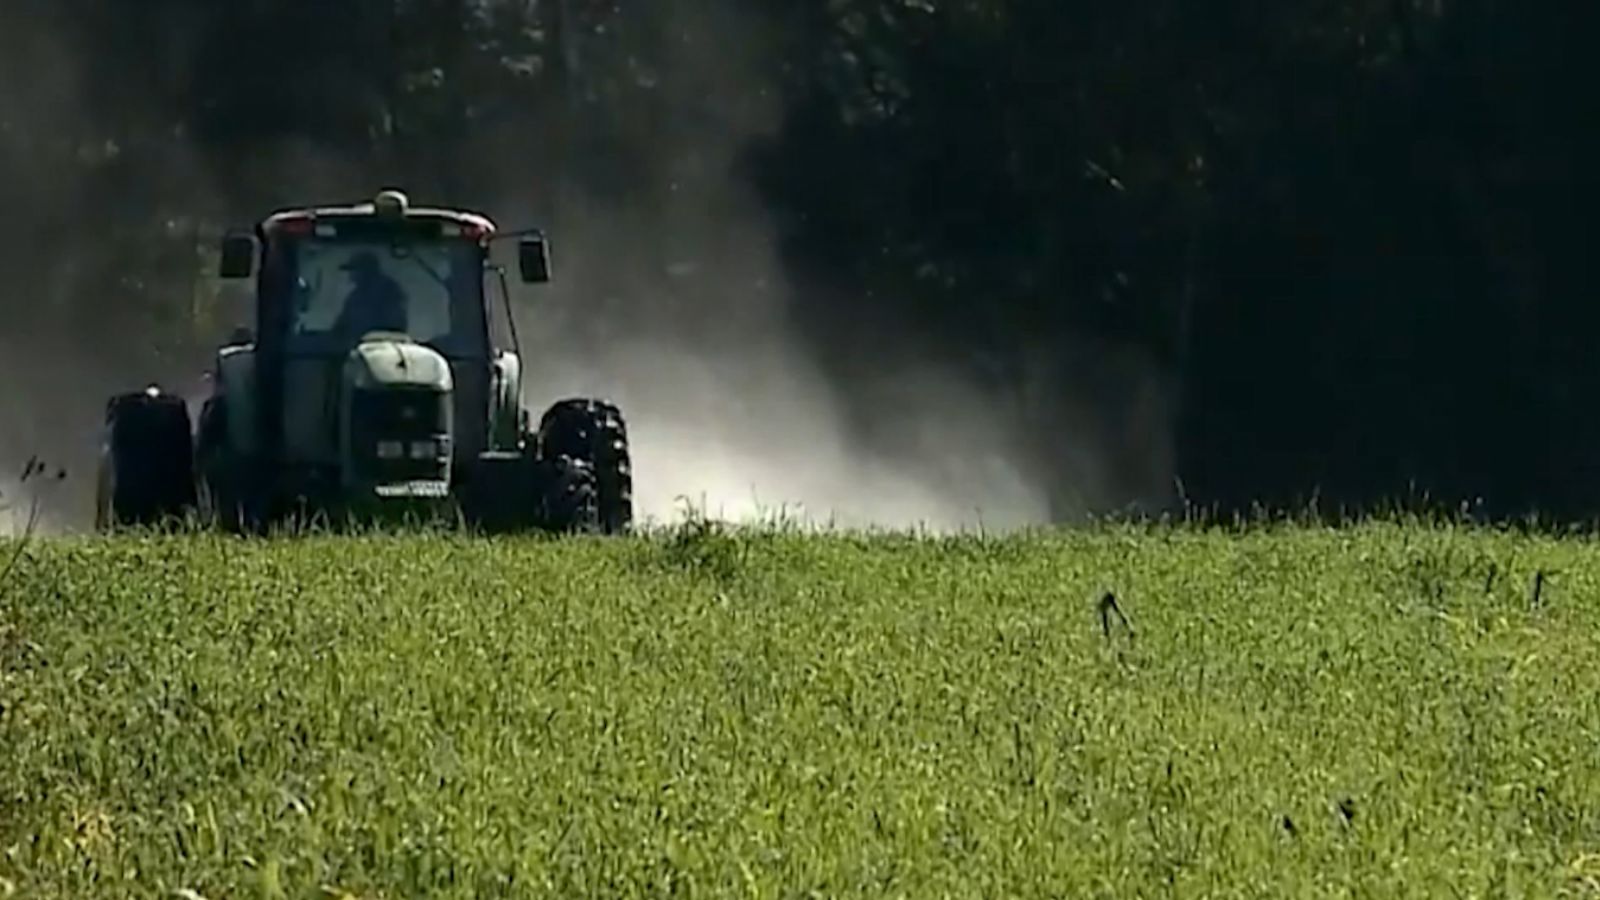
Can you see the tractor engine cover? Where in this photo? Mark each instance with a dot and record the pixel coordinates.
(395, 420)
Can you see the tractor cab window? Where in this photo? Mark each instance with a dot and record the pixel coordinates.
(430, 290)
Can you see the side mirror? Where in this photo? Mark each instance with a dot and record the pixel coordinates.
(533, 255)
(238, 254)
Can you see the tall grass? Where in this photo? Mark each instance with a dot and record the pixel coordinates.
(1382, 710)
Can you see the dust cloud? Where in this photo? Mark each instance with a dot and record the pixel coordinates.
(673, 302)
(762, 437)
(677, 307)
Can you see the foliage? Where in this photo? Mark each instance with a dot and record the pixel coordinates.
(1382, 710)
(1351, 230)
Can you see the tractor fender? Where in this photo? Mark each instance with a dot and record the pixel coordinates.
(505, 432)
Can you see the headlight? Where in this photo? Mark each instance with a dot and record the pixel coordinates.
(391, 450)
(425, 450)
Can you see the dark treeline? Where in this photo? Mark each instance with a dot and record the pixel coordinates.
(1349, 231)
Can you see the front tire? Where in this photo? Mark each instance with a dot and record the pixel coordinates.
(594, 433)
(224, 483)
(513, 493)
(147, 461)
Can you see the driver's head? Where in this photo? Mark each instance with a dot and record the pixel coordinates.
(362, 267)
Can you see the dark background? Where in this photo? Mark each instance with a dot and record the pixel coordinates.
(1350, 238)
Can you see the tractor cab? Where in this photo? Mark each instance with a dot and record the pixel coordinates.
(326, 276)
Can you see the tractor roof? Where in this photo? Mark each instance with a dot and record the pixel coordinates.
(388, 204)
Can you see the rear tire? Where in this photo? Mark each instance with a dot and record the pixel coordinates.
(571, 499)
(593, 432)
(147, 463)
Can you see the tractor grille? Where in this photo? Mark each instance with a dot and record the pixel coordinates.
(399, 412)
(401, 434)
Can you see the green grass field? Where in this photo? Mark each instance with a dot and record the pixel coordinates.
(1381, 712)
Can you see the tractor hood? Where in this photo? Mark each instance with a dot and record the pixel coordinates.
(393, 360)
(396, 435)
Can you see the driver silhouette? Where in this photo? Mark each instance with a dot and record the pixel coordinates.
(376, 303)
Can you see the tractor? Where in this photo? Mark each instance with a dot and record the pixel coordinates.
(374, 383)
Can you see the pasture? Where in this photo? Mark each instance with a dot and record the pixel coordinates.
(1385, 710)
